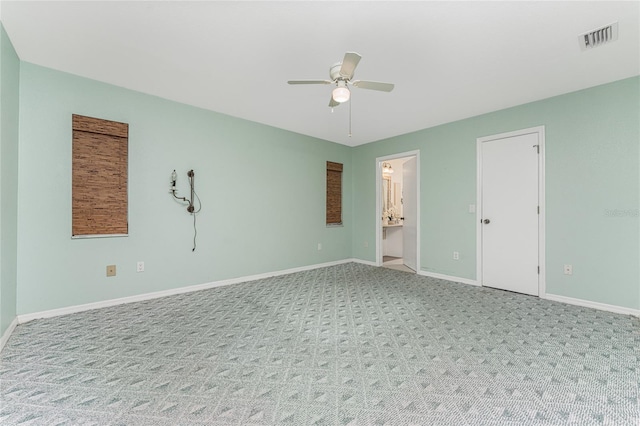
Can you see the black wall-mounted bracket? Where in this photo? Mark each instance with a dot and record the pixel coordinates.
(174, 191)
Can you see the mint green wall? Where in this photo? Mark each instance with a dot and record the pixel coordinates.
(263, 194)
(9, 83)
(592, 151)
(262, 189)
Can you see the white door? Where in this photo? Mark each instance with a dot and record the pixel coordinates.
(509, 223)
(410, 213)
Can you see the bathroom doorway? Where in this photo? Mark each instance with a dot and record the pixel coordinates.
(397, 211)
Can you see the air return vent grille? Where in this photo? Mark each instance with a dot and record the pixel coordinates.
(599, 36)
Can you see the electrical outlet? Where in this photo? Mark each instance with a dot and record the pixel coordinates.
(319, 246)
(140, 267)
(456, 255)
(568, 269)
(366, 244)
(472, 208)
(111, 270)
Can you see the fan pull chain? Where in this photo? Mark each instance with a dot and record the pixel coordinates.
(350, 117)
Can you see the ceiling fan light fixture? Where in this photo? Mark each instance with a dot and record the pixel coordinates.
(341, 76)
(341, 93)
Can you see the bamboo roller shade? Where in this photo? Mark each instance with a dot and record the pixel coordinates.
(334, 193)
(99, 177)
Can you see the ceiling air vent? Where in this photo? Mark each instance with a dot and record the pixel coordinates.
(598, 37)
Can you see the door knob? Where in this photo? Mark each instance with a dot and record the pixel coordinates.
(486, 221)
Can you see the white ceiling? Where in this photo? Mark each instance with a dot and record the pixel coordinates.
(448, 60)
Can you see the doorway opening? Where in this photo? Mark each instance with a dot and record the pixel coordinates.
(397, 211)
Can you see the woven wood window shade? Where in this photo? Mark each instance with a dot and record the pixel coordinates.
(334, 193)
(99, 177)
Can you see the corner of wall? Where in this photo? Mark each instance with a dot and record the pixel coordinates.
(9, 107)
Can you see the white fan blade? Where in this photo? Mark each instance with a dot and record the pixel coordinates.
(349, 64)
(373, 85)
(310, 82)
(333, 103)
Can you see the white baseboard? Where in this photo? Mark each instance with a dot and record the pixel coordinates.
(563, 299)
(449, 278)
(147, 296)
(589, 304)
(429, 274)
(364, 262)
(7, 333)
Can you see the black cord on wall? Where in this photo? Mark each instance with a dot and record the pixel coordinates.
(191, 208)
(194, 212)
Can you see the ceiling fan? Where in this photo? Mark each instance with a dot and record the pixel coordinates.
(341, 74)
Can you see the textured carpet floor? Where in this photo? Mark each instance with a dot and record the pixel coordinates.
(349, 344)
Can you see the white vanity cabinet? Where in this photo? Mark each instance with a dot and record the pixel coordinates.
(392, 240)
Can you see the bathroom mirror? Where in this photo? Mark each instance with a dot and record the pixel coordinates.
(386, 192)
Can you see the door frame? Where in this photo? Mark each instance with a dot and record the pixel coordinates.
(540, 131)
(378, 218)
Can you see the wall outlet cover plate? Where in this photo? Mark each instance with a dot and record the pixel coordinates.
(111, 270)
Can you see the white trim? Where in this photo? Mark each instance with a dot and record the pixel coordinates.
(478, 212)
(364, 262)
(449, 278)
(21, 319)
(542, 218)
(378, 165)
(540, 130)
(378, 213)
(89, 236)
(594, 305)
(7, 333)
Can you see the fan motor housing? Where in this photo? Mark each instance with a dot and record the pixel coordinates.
(334, 72)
